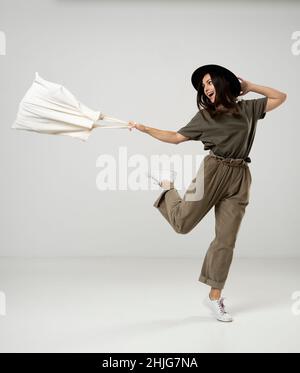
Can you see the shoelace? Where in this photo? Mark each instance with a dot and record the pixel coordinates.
(221, 305)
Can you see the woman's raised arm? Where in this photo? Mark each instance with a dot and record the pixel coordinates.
(275, 97)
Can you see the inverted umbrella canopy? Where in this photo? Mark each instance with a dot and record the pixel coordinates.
(50, 108)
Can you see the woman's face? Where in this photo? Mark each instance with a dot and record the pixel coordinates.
(208, 88)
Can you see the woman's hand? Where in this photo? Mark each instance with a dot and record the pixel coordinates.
(245, 85)
(139, 126)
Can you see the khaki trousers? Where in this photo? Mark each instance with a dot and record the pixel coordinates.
(226, 186)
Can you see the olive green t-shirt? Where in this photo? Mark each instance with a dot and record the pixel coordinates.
(227, 136)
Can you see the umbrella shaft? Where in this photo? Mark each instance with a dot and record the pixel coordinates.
(111, 119)
(98, 125)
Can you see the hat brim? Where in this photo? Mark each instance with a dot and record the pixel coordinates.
(199, 73)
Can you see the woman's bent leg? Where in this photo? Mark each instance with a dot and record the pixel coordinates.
(183, 214)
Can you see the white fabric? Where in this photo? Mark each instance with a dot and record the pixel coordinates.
(50, 108)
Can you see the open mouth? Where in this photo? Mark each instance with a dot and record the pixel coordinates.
(210, 94)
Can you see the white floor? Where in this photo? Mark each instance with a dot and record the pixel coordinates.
(146, 305)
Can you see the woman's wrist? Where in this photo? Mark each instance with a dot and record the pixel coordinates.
(251, 87)
(256, 88)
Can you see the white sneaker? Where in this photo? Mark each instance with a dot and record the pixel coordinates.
(218, 308)
(164, 178)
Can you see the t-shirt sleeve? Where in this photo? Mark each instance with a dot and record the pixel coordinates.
(256, 107)
(193, 128)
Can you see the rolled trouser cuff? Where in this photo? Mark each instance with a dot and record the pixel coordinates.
(212, 283)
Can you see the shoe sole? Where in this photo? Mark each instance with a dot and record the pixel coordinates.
(224, 320)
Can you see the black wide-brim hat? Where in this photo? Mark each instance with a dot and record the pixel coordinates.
(199, 73)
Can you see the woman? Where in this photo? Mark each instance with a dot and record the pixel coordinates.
(226, 126)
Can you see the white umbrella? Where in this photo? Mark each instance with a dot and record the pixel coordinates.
(50, 108)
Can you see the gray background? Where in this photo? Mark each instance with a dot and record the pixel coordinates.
(134, 60)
